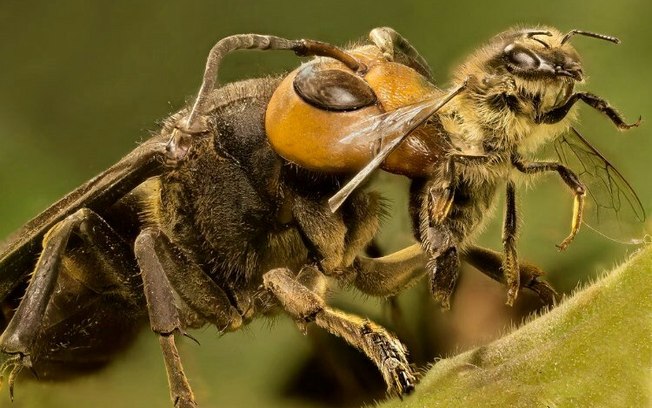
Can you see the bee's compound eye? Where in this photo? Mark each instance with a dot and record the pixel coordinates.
(333, 89)
(521, 57)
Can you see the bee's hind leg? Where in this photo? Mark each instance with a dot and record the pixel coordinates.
(442, 257)
(491, 264)
(389, 275)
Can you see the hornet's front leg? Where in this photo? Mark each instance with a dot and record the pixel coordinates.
(170, 277)
(390, 274)
(397, 48)
(393, 273)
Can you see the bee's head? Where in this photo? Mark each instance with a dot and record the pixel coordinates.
(538, 54)
(541, 54)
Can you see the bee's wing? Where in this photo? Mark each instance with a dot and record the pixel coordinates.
(612, 209)
(18, 252)
(387, 131)
(385, 127)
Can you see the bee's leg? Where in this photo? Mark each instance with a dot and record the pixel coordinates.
(441, 194)
(510, 229)
(383, 349)
(437, 239)
(164, 273)
(491, 264)
(571, 180)
(389, 41)
(390, 274)
(444, 270)
(116, 271)
(593, 101)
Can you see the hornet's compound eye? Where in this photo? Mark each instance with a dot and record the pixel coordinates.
(333, 89)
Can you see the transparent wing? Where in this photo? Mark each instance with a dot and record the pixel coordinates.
(382, 128)
(612, 207)
(387, 131)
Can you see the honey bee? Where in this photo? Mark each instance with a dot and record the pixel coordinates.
(245, 202)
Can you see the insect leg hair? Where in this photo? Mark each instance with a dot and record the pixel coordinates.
(117, 269)
(395, 272)
(382, 348)
(166, 271)
(195, 288)
(510, 229)
(389, 41)
(593, 101)
(163, 315)
(437, 239)
(491, 264)
(390, 274)
(571, 180)
(441, 195)
(444, 269)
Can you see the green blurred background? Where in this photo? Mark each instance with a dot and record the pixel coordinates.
(82, 82)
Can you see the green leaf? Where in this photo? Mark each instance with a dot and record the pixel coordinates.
(593, 350)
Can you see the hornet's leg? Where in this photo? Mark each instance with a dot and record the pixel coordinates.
(163, 316)
(395, 272)
(114, 271)
(255, 42)
(383, 349)
(389, 42)
(165, 272)
(334, 239)
(103, 190)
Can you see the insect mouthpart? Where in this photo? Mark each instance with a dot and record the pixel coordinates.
(572, 70)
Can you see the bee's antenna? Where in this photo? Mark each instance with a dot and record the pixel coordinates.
(533, 33)
(589, 34)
